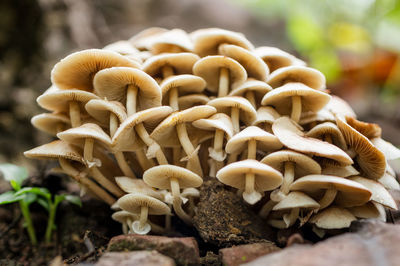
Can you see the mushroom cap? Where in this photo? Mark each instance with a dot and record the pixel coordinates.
(76, 71)
(266, 115)
(291, 136)
(123, 216)
(134, 201)
(101, 109)
(341, 171)
(281, 98)
(184, 83)
(254, 65)
(131, 185)
(160, 176)
(48, 122)
(55, 150)
(265, 141)
(338, 106)
(304, 165)
(260, 88)
(125, 138)
(369, 130)
(191, 100)
(369, 210)
(387, 148)
(58, 100)
(190, 192)
(207, 41)
(165, 133)
(172, 41)
(323, 115)
(224, 104)
(122, 47)
(181, 63)
(389, 181)
(350, 193)
(266, 177)
(299, 74)
(209, 69)
(77, 135)
(217, 121)
(371, 160)
(333, 218)
(143, 39)
(379, 193)
(319, 131)
(276, 58)
(112, 84)
(296, 199)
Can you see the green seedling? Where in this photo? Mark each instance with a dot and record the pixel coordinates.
(28, 195)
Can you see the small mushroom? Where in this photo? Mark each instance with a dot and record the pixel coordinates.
(328, 132)
(266, 115)
(369, 210)
(276, 58)
(51, 123)
(333, 218)
(172, 41)
(130, 185)
(126, 219)
(253, 90)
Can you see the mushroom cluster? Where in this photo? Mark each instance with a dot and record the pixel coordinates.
(141, 123)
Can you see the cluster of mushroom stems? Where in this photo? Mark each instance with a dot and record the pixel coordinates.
(141, 123)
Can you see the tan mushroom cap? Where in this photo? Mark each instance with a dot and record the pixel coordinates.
(338, 106)
(224, 104)
(296, 199)
(130, 185)
(260, 88)
(209, 69)
(173, 41)
(207, 41)
(389, 181)
(371, 160)
(328, 128)
(121, 47)
(181, 63)
(134, 201)
(185, 83)
(299, 74)
(125, 138)
(143, 39)
(123, 216)
(165, 133)
(265, 141)
(333, 218)
(369, 210)
(311, 99)
(49, 123)
(388, 149)
(304, 165)
(58, 100)
(191, 100)
(101, 109)
(112, 84)
(369, 130)
(379, 193)
(323, 115)
(159, 177)
(254, 65)
(76, 71)
(340, 171)
(266, 177)
(291, 136)
(350, 193)
(276, 58)
(217, 121)
(266, 115)
(55, 150)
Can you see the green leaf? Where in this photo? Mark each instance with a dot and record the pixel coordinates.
(44, 203)
(44, 192)
(14, 172)
(9, 197)
(29, 198)
(74, 200)
(58, 199)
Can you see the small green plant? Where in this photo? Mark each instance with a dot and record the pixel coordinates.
(25, 196)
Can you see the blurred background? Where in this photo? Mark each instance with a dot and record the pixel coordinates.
(356, 44)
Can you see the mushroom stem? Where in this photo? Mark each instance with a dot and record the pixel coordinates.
(250, 195)
(86, 182)
(102, 180)
(167, 71)
(74, 113)
(131, 95)
(173, 98)
(266, 209)
(288, 177)
(232, 157)
(251, 97)
(328, 198)
(144, 135)
(296, 108)
(114, 123)
(252, 149)
(189, 149)
(125, 228)
(177, 202)
(143, 161)
(88, 149)
(144, 213)
(223, 82)
(123, 165)
(235, 119)
(219, 154)
(291, 218)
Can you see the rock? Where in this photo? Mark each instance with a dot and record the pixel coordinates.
(143, 258)
(183, 250)
(210, 259)
(237, 255)
(223, 218)
(374, 244)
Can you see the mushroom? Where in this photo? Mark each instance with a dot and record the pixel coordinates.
(340, 171)
(338, 106)
(266, 115)
(143, 205)
(312, 118)
(51, 123)
(389, 181)
(253, 90)
(173, 178)
(369, 210)
(330, 133)
(333, 218)
(251, 177)
(191, 100)
(126, 219)
(130, 185)
(172, 41)
(276, 58)
(388, 149)
(143, 39)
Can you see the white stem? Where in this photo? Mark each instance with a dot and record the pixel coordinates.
(144, 212)
(114, 123)
(288, 177)
(235, 119)
(131, 98)
(102, 180)
(266, 209)
(252, 149)
(252, 98)
(143, 161)
(123, 164)
(75, 113)
(144, 135)
(88, 149)
(250, 195)
(223, 82)
(167, 71)
(328, 198)
(296, 108)
(173, 98)
(177, 202)
(188, 148)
